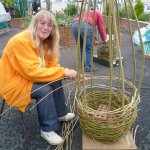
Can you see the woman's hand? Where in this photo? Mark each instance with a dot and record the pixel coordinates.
(70, 74)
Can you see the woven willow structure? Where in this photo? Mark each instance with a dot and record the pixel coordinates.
(106, 120)
(107, 105)
(103, 50)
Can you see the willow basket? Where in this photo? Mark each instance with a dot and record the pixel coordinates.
(103, 50)
(104, 123)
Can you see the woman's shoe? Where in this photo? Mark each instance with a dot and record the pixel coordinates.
(52, 137)
(67, 117)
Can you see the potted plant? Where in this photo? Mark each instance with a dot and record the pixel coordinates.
(64, 20)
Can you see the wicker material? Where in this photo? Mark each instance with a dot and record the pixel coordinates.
(103, 50)
(104, 123)
(107, 114)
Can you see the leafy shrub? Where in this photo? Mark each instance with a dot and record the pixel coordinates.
(26, 22)
(144, 17)
(71, 9)
(17, 13)
(64, 18)
(8, 2)
(139, 8)
(123, 12)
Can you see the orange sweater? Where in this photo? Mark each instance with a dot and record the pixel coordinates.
(20, 68)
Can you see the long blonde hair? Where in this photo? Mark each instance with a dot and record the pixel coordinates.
(49, 45)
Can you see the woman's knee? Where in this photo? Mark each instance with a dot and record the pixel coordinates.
(40, 90)
(45, 90)
(57, 84)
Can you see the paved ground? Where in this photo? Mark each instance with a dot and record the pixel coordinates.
(12, 136)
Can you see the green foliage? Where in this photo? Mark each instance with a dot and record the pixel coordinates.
(139, 8)
(123, 13)
(25, 4)
(27, 20)
(8, 2)
(107, 9)
(17, 13)
(144, 17)
(71, 9)
(64, 18)
(64, 21)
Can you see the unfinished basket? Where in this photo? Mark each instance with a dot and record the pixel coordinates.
(104, 120)
(103, 50)
(107, 107)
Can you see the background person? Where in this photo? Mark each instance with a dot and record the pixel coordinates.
(35, 7)
(100, 25)
(30, 61)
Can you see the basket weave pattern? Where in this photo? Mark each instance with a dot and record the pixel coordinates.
(104, 123)
(103, 51)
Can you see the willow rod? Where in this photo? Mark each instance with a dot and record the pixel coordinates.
(78, 49)
(93, 34)
(142, 46)
(110, 52)
(78, 54)
(133, 49)
(84, 47)
(120, 60)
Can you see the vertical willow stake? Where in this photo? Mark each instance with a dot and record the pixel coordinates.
(142, 46)
(107, 112)
(133, 49)
(84, 49)
(110, 17)
(93, 34)
(120, 60)
(78, 54)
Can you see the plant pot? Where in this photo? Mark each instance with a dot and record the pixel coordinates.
(16, 22)
(66, 36)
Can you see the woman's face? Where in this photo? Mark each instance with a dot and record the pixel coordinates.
(44, 28)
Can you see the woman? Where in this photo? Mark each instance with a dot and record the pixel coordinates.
(100, 25)
(28, 63)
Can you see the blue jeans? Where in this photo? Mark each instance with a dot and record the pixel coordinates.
(51, 107)
(88, 40)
